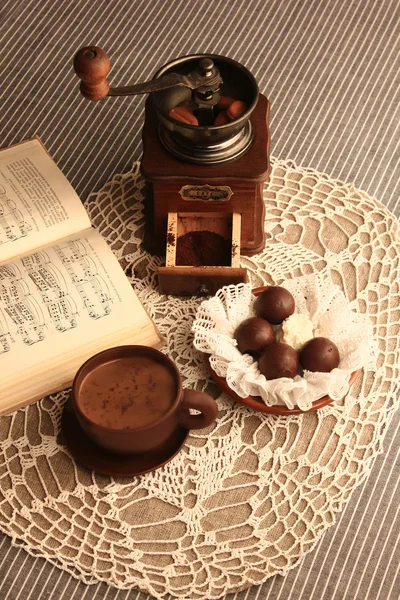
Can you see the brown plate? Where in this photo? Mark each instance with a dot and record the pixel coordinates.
(91, 456)
(256, 402)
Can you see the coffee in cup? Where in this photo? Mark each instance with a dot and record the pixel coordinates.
(126, 393)
(130, 399)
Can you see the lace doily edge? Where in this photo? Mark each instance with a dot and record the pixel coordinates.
(90, 579)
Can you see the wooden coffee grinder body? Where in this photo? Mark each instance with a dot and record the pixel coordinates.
(176, 187)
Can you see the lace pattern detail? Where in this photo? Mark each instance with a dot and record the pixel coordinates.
(248, 497)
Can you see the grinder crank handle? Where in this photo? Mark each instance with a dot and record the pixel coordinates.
(92, 64)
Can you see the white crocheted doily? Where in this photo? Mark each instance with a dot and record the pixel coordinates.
(251, 495)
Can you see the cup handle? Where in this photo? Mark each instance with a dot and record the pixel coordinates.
(199, 401)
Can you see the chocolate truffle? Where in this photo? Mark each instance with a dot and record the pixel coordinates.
(253, 334)
(279, 360)
(274, 304)
(319, 354)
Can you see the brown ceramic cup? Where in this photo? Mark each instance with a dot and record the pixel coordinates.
(130, 399)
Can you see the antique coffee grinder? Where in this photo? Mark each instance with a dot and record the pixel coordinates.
(205, 160)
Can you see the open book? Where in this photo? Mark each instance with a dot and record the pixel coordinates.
(63, 294)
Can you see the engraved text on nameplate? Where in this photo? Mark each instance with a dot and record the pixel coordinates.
(206, 193)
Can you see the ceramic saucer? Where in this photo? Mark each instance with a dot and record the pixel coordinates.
(91, 456)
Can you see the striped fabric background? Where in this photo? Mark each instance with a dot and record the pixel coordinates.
(331, 71)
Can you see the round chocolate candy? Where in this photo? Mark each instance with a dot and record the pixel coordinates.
(253, 334)
(274, 304)
(319, 354)
(279, 360)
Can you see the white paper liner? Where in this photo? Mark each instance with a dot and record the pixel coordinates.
(330, 313)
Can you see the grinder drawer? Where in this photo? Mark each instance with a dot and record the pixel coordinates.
(202, 254)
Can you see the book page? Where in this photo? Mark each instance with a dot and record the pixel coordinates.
(37, 203)
(60, 298)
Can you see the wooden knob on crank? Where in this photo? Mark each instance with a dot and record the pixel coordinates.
(92, 65)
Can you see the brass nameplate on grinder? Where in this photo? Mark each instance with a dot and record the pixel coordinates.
(206, 193)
